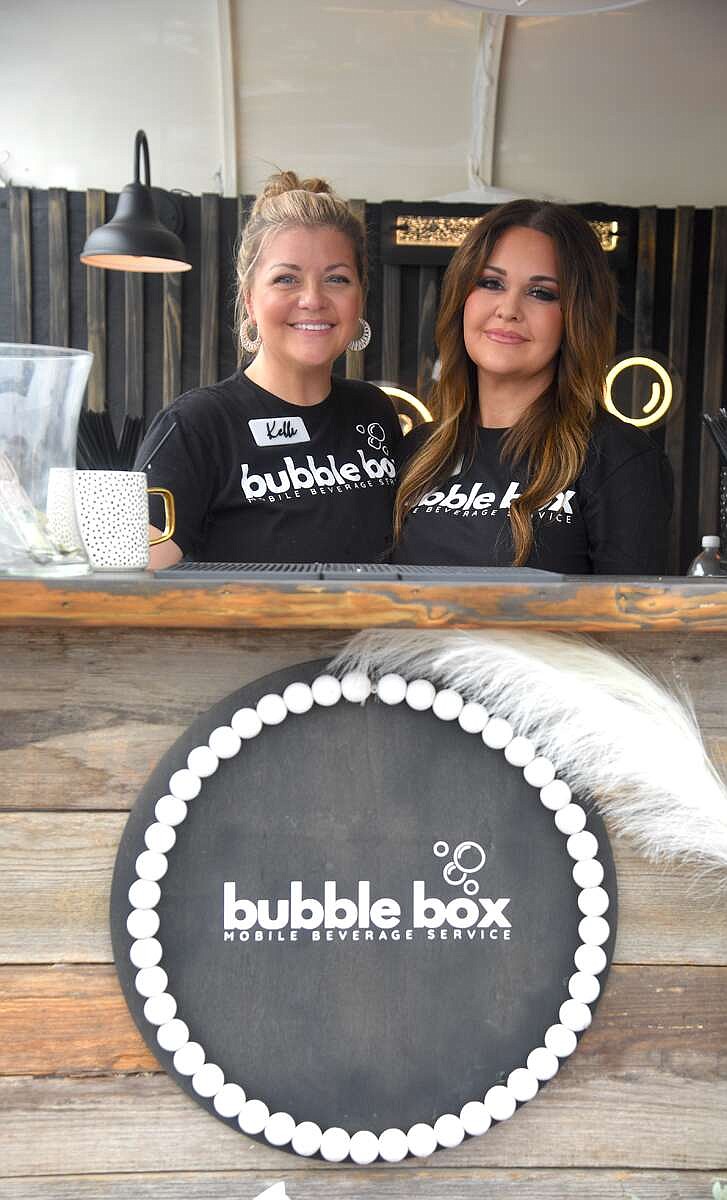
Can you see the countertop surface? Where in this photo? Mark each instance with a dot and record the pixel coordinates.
(582, 604)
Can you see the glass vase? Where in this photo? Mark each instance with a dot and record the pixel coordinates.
(41, 392)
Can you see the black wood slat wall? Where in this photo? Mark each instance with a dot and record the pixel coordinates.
(154, 337)
(58, 267)
(209, 289)
(172, 343)
(714, 372)
(133, 344)
(644, 295)
(96, 281)
(20, 268)
(429, 285)
(679, 312)
(355, 366)
(390, 325)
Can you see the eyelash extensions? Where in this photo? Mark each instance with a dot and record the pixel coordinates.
(540, 293)
(336, 279)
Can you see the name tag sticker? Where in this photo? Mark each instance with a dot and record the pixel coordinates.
(272, 431)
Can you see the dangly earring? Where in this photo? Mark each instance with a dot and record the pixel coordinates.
(249, 343)
(364, 336)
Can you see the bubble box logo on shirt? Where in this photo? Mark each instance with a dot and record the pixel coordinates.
(336, 917)
(316, 475)
(478, 499)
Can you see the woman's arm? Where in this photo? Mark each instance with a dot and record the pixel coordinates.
(627, 518)
(166, 554)
(176, 460)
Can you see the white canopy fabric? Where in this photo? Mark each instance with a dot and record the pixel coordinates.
(490, 36)
(547, 8)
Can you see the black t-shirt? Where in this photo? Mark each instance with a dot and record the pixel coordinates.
(612, 520)
(256, 479)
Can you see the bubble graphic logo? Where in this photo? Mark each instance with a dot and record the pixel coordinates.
(467, 859)
(376, 435)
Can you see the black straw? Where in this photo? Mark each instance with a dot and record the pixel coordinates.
(97, 447)
(717, 427)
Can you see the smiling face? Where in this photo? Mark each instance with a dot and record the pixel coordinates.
(512, 320)
(306, 296)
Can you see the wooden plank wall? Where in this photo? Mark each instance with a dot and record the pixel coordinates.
(87, 1113)
(20, 267)
(96, 309)
(679, 310)
(714, 364)
(154, 338)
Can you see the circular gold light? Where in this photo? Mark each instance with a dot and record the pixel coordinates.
(659, 401)
(397, 393)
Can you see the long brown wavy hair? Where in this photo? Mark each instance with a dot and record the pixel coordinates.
(551, 437)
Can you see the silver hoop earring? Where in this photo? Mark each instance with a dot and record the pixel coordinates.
(364, 336)
(249, 343)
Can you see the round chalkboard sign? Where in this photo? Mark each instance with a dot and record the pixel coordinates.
(360, 920)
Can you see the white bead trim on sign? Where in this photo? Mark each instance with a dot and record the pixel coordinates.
(146, 951)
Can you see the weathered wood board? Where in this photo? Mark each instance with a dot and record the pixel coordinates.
(425, 1182)
(145, 1123)
(569, 605)
(87, 712)
(109, 705)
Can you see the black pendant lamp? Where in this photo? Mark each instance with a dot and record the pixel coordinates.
(135, 239)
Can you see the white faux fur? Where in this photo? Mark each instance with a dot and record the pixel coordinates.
(613, 733)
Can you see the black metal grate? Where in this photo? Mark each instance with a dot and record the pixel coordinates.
(359, 571)
(225, 572)
(345, 572)
(475, 574)
(216, 568)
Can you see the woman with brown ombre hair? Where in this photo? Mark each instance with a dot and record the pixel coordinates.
(524, 466)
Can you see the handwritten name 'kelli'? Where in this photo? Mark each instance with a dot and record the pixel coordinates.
(280, 429)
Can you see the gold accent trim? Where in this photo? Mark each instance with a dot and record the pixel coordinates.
(169, 515)
(607, 234)
(432, 231)
(450, 231)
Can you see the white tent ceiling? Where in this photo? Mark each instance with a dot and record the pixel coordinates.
(547, 8)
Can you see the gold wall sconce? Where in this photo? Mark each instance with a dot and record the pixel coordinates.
(404, 400)
(658, 405)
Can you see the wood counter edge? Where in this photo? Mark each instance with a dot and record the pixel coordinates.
(582, 605)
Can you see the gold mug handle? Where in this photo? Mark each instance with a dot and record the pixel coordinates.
(169, 514)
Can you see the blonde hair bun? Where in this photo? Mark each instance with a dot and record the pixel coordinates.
(288, 181)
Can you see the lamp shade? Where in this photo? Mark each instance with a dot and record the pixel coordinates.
(135, 239)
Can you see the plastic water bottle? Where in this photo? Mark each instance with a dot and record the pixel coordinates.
(709, 561)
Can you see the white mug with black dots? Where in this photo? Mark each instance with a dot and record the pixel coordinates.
(112, 508)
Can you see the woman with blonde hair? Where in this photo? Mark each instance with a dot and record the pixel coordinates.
(524, 466)
(282, 462)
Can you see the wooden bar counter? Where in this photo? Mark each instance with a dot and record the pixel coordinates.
(99, 677)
